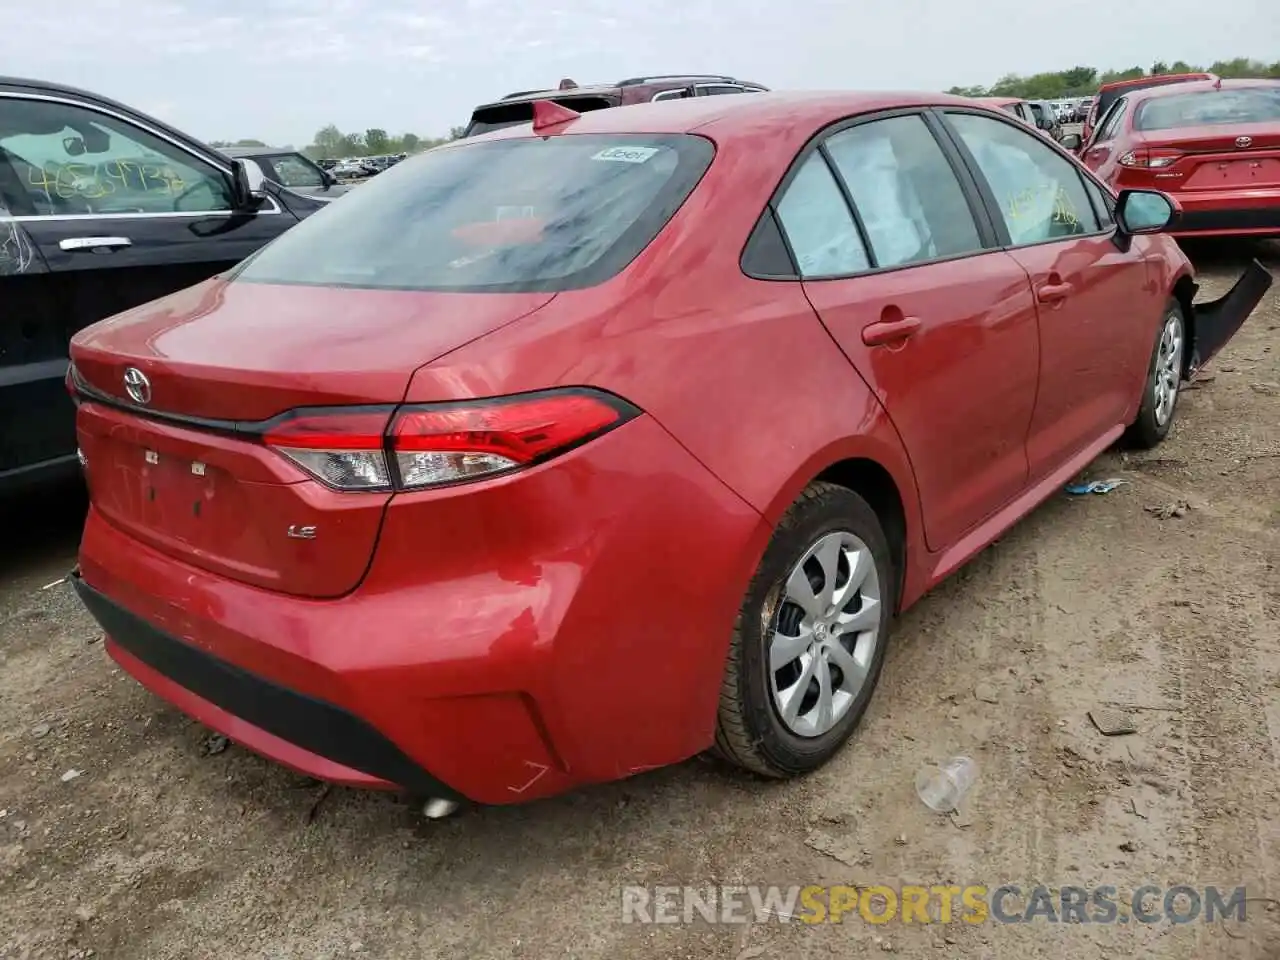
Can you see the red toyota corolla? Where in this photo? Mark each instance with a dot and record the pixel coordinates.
(573, 450)
(1214, 146)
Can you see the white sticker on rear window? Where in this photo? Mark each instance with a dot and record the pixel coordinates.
(626, 154)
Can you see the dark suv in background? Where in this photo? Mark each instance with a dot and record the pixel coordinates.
(517, 107)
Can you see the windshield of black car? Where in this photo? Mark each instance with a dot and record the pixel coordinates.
(521, 214)
(1210, 108)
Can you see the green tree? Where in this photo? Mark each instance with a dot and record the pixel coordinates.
(375, 139)
(409, 143)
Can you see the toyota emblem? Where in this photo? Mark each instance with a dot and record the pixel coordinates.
(137, 385)
(1244, 141)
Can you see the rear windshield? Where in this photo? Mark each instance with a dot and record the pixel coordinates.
(499, 115)
(1107, 97)
(1210, 108)
(528, 214)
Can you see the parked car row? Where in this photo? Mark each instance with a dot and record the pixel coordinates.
(1034, 113)
(291, 169)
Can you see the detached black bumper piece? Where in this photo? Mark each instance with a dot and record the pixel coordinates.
(1216, 322)
(314, 725)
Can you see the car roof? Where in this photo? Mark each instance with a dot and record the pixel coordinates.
(1199, 86)
(722, 115)
(1159, 78)
(998, 101)
(613, 89)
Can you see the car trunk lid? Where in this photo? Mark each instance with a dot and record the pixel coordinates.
(187, 473)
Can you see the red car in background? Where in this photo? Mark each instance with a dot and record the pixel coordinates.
(1214, 146)
(575, 449)
(1108, 93)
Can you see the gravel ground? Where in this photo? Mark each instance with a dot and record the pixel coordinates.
(170, 845)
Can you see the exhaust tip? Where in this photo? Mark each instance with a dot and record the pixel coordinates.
(437, 808)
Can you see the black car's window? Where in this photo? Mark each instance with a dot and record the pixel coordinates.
(504, 215)
(1208, 108)
(1038, 191)
(905, 191)
(679, 94)
(68, 160)
(819, 224)
(719, 89)
(293, 170)
(1110, 125)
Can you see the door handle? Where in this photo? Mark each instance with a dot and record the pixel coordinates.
(1053, 292)
(72, 244)
(889, 331)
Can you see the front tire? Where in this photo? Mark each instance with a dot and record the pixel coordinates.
(1164, 378)
(810, 638)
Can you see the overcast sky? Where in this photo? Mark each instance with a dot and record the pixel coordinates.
(280, 69)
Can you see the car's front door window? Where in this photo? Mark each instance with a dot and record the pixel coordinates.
(1038, 191)
(70, 160)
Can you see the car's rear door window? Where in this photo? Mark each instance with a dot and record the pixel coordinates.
(526, 214)
(819, 225)
(1038, 192)
(905, 191)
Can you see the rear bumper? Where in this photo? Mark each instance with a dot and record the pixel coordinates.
(1251, 213)
(307, 734)
(510, 640)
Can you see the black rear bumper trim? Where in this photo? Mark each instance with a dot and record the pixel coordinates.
(314, 725)
(1255, 218)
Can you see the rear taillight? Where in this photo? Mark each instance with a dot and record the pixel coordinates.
(415, 447)
(343, 449)
(1154, 159)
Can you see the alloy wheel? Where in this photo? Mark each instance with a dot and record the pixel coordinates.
(824, 634)
(1168, 372)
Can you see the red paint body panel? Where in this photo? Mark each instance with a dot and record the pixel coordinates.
(248, 351)
(980, 308)
(492, 613)
(568, 623)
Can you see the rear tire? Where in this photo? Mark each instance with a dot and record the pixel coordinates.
(1164, 379)
(830, 551)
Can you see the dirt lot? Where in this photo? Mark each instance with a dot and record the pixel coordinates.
(163, 849)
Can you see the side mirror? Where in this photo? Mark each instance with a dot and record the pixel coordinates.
(1072, 141)
(1144, 211)
(249, 186)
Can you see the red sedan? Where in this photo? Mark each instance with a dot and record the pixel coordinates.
(1214, 146)
(574, 450)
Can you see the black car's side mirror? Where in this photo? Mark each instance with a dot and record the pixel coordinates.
(1144, 211)
(1072, 141)
(248, 185)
